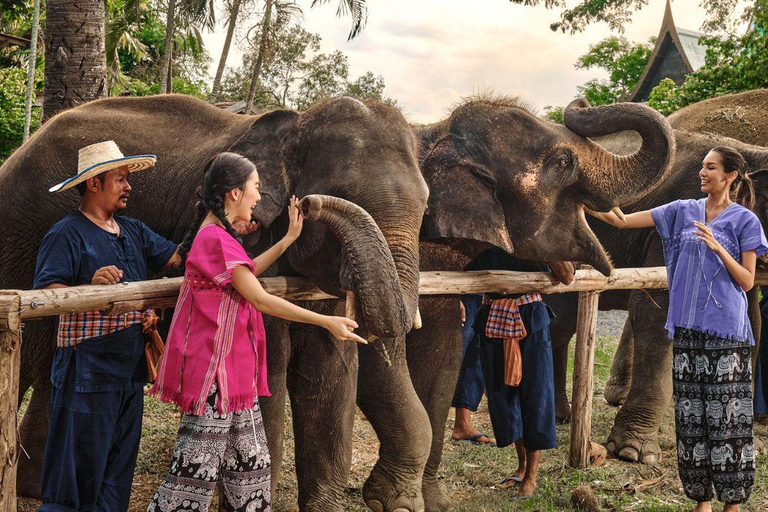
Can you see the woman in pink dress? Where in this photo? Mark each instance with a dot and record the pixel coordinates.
(214, 366)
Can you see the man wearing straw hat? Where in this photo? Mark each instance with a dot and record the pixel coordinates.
(99, 368)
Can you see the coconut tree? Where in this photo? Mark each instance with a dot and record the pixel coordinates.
(75, 60)
(234, 11)
(191, 13)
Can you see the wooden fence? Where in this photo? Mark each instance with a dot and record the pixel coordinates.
(16, 306)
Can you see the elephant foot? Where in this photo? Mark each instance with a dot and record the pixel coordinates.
(435, 499)
(633, 446)
(562, 411)
(616, 391)
(382, 493)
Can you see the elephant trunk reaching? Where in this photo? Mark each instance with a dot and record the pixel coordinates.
(368, 268)
(608, 179)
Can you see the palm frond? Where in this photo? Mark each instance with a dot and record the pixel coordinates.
(356, 9)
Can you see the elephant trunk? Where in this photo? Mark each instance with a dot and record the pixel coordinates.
(607, 179)
(368, 268)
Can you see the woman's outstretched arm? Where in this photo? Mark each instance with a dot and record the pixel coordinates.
(249, 287)
(642, 219)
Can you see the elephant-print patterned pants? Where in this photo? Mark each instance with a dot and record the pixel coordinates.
(713, 416)
(228, 450)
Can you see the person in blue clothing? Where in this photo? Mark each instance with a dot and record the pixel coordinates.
(99, 367)
(710, 251)
(523, 415)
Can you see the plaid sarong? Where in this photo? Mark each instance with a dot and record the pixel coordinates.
(504, 320)
(77, 327)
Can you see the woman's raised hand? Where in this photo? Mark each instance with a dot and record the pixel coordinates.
(341, 327)
(705, 235)
(295, 220)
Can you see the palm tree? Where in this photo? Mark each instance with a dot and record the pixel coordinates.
(191, 13)
(357, 9)
(234, 10)
(123, 20)
(75, 62)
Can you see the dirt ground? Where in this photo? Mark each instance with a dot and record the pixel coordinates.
(470, 473)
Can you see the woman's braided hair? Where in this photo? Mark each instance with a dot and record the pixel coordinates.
(224, 172)
(742, 188)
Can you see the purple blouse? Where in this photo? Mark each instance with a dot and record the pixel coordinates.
(702, 294)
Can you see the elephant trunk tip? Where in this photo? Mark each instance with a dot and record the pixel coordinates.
(311, 206)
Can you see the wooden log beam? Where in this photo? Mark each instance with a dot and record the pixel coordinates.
(163, 292)
(581, 399)
(10, 361)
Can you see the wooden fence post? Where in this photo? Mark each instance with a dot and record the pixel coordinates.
(581, 400)
(10, 359)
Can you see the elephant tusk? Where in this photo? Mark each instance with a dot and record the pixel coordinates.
(417, 319)
(619, 213)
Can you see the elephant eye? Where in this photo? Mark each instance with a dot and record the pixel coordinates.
(563, 163)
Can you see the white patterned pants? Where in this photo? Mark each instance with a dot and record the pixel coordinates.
(228, 450)
(712, 382)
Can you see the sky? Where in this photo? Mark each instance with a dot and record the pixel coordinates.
(432, 53)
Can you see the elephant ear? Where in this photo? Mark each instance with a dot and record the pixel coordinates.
(262, 144)
(760, 181)
(462, 199)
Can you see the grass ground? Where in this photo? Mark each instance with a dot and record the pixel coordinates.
(469, 473)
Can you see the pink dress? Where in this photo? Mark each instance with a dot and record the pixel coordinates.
(216, 335)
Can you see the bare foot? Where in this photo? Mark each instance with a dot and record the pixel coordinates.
(731, 507)
(527, 488)
(704, 506)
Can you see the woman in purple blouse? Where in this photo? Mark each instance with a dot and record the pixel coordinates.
(710, 250)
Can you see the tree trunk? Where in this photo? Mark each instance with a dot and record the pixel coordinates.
(165, 65)
(31, 69)
(256, 75)
(216, 88)
(75, 58)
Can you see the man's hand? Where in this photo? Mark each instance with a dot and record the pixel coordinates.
(107, 275)
(563, 271)
(463, 313)
(243, 227)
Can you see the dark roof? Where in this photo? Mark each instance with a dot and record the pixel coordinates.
(9, 40)
(676, 54)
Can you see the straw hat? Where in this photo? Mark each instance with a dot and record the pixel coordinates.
(102, 157)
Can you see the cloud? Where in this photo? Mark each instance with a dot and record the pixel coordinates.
(432, 53)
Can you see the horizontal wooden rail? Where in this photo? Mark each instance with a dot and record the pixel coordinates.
(161, 293)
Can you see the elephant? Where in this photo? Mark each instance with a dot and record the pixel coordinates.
(700, 453)
(691, 408)
(682, 365)
(727, 365)
(357, 158)
(715, 412)
(701, 361)
(739, 409)
(721, 455)
(747, 455)
(641, 372)
(500, 176)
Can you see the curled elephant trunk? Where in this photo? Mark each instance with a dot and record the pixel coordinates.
(368, 268)
(609, 179)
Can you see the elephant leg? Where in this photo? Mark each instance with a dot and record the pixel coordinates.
(561, 330)
(322, 379)
(36, 357)
(434, 359)
(634, 435)
(388, 399)
(273, 407)
(617, 387)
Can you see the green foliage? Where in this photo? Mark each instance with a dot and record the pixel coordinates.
(297, 75)
(554, 114)
(624, 61)
(13, 87)
(732, 64)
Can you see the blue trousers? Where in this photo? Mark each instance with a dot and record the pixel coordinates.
(93, 438)
(525, 411)
(470, 385)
